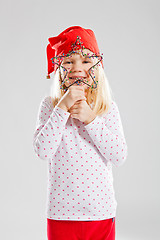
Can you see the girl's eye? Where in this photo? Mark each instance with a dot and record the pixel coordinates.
(87, 61)
(68, 62)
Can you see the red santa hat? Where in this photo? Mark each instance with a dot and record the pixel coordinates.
(62, 44)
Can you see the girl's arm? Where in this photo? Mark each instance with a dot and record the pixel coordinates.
(49, 128)
(107, 134)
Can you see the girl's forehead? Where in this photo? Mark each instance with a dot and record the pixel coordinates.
(79, 53)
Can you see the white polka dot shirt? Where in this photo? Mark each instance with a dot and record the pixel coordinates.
(80, 158)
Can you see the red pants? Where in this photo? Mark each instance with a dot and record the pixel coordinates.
(81, 230)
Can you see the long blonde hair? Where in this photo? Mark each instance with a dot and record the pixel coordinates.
(101, 97)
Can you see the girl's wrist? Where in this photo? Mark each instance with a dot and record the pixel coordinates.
(62, 106)
(90, 119)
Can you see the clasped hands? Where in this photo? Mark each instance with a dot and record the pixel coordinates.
(82, 111)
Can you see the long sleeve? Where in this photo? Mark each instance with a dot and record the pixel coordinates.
(108, 135)
(49, 128)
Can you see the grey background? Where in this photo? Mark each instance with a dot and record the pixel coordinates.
(128, 36)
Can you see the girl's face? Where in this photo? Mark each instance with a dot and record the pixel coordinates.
(78, 65)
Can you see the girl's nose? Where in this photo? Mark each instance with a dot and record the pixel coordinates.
(77, 67)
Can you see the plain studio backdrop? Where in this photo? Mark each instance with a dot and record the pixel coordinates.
(128, 36)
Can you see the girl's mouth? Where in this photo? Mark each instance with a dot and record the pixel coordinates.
(77, 77)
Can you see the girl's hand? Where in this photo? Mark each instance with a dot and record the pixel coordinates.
(82, 111)
(73, 94)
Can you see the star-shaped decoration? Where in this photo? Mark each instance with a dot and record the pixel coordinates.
(58, 60)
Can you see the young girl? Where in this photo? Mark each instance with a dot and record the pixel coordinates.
(79, 133)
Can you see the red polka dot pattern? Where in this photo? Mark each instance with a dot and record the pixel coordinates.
(80, 159)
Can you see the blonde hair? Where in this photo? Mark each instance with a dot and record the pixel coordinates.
(101, 97)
